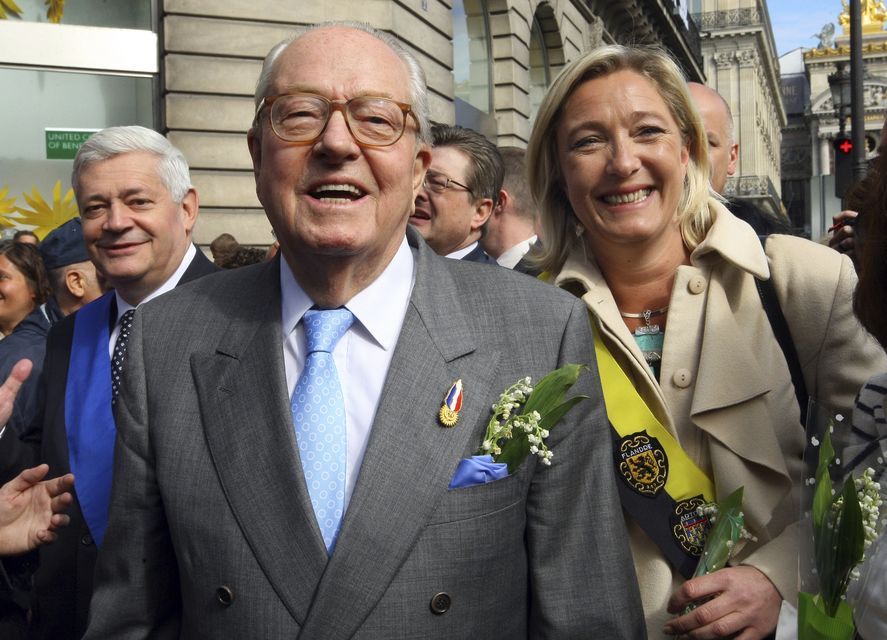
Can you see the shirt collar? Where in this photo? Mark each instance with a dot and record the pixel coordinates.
(123, 306)
(372, 307)
(458, 254)
(510, 257)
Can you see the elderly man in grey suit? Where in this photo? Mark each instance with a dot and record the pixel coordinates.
(268, 486)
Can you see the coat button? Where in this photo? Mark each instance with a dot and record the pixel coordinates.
(86, 540)
(225, 596)
(696, 284)
(440, 603)
(682, 378)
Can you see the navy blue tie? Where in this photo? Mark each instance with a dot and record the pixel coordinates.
(120, 352)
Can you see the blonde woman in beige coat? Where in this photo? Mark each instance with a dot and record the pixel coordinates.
(618, 164)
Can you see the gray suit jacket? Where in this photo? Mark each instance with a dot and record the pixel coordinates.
(212, 533)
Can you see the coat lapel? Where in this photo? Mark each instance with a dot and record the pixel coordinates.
(749, 454)
(241, 388)
(410, 457)
(731, 409)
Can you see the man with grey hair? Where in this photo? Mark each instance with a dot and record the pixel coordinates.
(460, 191)
(511, 230)
(137, 208)
(319, 406)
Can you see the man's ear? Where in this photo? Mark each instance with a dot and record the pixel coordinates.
(734, 158)
(75, 283)
(420, 166)
(503, 202)
(255, 149)
(190, 206)
(483, 209)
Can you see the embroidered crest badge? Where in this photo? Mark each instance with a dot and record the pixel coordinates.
(643, 463)
(689, 526)
(452, 405)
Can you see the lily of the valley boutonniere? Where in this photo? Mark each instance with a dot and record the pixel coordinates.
(521, 421)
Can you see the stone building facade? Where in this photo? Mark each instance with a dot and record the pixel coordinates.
(740, 63)
(488, 64)
(808, 156)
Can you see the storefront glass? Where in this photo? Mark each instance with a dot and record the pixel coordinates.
(47, 113)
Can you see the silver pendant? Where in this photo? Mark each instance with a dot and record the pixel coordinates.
(648, 330)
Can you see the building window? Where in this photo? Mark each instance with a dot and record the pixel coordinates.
(126, 14)
(62, 102)
(101, 70)
(472, 65)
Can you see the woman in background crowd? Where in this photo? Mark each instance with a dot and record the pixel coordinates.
(697, 387)
(23, 283)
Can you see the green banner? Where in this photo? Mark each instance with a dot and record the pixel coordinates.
(63, 144)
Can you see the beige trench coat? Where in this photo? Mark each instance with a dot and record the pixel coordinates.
(726, 392)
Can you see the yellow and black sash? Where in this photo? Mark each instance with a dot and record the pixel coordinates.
(659, 485)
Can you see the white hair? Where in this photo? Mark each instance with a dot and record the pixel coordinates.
(114, 141)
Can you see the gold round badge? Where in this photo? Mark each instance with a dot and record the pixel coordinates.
(448, 417)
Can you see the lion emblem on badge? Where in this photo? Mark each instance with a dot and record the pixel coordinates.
(642, 463)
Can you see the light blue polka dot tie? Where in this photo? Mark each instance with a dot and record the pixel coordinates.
(319, 417)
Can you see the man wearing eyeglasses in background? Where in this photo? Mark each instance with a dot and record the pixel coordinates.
(460, 191)
(283, 469)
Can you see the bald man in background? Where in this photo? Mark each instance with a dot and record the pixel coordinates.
(723, 153)
(723, 150)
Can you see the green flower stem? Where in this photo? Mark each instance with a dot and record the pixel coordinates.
(723, 536)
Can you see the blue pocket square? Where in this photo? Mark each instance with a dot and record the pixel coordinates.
(477, 470)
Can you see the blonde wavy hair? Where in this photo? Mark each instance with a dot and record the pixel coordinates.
(545, 176)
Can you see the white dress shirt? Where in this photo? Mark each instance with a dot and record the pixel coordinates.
(511, 257)
(458, 254)
(362, 355)
(123, 306)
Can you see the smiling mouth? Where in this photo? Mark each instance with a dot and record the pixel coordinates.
(337, 193)
(627, 198)
(421, 215)
(119, 246)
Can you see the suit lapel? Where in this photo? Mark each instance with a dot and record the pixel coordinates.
(241, 388)
(410, 457)
(200, 266)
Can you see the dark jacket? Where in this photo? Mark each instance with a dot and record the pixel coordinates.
(63, 581)
(478, 255)
(28, 340)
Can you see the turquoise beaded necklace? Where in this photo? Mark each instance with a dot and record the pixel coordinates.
(649, 337)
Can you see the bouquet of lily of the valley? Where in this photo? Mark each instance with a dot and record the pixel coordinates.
(844, 525)
(521, 421)
(727, 528)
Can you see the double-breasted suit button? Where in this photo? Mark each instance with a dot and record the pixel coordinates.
(86, 539)
(440, 603)
(225, 596)
(682, 378)
(696, 284)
